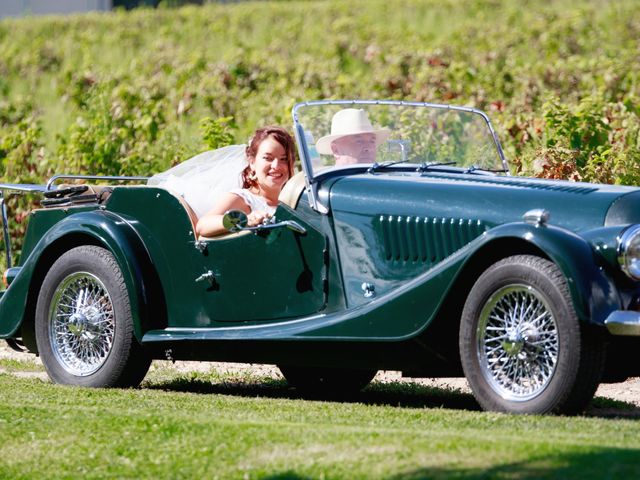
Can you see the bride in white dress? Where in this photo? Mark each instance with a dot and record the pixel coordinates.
(234, 178)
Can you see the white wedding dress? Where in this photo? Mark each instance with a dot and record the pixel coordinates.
(202, 179)
(256, 203)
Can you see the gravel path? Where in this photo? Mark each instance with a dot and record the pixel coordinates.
(628, 392)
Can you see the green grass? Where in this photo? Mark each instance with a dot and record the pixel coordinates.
(221, 426)
(15, 365)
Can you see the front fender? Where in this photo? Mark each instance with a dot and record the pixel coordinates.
(594, 294)
(97, 227)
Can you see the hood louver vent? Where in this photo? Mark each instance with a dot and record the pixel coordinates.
(426, 239)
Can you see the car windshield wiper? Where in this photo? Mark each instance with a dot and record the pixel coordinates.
(381, 166)
(474, 168)
(424, 166)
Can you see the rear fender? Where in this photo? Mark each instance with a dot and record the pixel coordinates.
(594, 294)
(96, 228)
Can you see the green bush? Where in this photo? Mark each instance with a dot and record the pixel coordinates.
(217, 133)
(21, 161)
(126, 92)
(593, 141)
(116, 131)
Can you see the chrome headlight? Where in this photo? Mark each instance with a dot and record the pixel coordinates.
(629, 251)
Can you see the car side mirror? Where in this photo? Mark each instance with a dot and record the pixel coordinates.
(234, 220)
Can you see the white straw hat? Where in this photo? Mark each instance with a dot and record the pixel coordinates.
(350, 121)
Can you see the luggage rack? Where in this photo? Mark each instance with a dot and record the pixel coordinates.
(55, 178)
(55, 197)
(76, 194)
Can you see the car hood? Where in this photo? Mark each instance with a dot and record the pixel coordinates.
(490, 199)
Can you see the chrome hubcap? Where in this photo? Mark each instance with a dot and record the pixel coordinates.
(517, 342)
(81, 324)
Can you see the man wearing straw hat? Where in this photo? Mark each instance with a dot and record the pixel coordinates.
(353, 139)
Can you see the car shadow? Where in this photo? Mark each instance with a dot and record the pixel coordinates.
(399, 394)
(603, 407)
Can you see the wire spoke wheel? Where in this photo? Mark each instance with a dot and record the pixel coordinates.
(518, 342)
(82, 324)
(522, 346)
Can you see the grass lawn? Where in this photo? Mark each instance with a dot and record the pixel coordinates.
(203, 425)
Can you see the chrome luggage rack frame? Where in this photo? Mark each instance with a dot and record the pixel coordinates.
(23, 188)
(55, 178)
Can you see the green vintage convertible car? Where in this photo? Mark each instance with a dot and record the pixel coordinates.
(422, 255)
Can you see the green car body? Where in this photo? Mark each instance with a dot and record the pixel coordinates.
(379, 279)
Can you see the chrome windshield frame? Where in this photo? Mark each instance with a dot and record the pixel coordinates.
(305, 160)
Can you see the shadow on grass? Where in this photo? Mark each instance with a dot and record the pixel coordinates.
(608, 408)
(400, 394)
(595, 463)
(392, 394)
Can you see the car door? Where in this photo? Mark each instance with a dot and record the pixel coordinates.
(269, 275)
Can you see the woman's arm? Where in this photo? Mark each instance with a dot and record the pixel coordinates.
(210, 225)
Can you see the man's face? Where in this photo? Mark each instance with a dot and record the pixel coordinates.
(358, 148)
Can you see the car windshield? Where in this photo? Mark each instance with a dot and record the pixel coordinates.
(337, 134)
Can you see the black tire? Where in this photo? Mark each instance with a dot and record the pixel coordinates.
(327, 382)
(522, 347)
(85, 300)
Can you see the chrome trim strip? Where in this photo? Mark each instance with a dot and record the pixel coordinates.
(23, 187)
(311, 186)
(5, 229)
(55, 178)
(623, 322)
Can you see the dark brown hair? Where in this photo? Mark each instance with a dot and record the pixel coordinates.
(281, 136)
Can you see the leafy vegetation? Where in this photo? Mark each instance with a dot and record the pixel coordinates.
(128, 92)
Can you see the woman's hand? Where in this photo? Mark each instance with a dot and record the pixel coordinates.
(210, 225)
(257, 218)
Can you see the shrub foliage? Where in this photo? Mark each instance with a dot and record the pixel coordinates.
(136, 92)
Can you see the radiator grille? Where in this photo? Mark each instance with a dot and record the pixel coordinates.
(426, 239)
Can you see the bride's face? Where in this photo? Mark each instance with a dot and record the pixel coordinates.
(270, 165)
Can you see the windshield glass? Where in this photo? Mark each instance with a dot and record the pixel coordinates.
(351, 133)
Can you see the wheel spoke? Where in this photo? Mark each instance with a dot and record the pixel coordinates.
(82, 323)
(517, 342)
